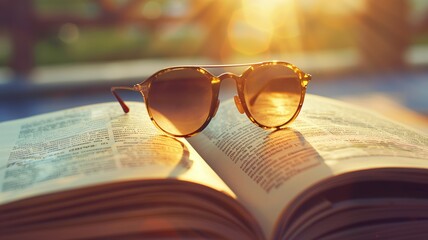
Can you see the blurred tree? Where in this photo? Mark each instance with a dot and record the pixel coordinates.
(384, 34)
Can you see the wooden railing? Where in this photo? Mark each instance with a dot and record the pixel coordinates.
(25, 26)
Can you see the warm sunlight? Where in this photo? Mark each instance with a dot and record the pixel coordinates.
(259, 25)
(213, 119)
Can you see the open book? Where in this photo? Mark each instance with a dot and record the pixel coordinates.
(93, 172)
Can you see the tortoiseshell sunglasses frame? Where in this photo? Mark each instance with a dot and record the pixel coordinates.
(144, 87)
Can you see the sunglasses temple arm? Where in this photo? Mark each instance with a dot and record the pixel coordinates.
(119, 99)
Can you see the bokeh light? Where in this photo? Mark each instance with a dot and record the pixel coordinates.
(68, 33)
(246, 38)
(152, 9)
(262, 25)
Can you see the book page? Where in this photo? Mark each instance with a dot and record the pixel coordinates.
(267, 169)
(90, 145)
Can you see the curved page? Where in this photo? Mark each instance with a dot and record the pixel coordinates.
(267, 169)
(92, 145)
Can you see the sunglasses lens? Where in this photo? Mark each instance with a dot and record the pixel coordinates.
(179, 100)
(272, 94)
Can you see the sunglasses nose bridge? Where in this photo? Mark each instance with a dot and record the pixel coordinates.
(238, 81)
(227, 75)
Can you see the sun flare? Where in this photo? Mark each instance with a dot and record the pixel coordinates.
(259, 24)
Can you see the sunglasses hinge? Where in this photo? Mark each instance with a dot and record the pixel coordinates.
(307, 77)
(139, 87)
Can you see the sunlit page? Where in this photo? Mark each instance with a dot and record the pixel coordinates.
(267, 169)
(90, 145)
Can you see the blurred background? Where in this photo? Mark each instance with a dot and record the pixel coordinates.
(59, 54)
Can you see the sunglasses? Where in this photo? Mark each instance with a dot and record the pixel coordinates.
(182, 100)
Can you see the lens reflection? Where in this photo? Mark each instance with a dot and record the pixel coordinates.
(272, 94)
(180, 100)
